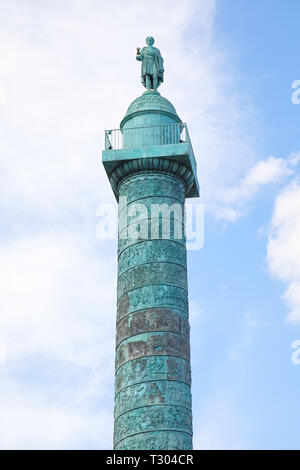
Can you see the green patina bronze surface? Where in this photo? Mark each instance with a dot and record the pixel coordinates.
(153, 368)
(151, 182)
(152, 73)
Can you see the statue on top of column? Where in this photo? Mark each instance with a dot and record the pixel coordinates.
(152, 74)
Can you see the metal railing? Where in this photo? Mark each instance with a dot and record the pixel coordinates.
(117, 139)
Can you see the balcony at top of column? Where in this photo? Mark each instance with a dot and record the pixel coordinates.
(151, 128)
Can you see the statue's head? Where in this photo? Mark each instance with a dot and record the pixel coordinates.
(150, 40)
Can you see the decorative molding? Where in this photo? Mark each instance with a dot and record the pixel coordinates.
(159, 165)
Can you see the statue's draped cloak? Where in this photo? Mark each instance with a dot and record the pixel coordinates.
(152, 64)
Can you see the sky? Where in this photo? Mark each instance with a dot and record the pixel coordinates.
(67, 73)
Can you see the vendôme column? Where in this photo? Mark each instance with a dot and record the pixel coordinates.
(151, 168)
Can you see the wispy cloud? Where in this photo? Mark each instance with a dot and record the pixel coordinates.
(29, 420)
(236, 199)
(56, 325)
(283, 247)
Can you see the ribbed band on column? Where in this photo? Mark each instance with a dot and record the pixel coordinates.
(152, 388)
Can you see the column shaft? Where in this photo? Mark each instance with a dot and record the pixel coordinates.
(152, 387)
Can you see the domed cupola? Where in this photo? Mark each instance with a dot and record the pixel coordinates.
(150, 109)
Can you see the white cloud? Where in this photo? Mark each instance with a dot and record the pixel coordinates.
(265, 172)
(235, 200)
(53, 296)
(294, 158)
(283, 247)
(57, 329)
(29, 421)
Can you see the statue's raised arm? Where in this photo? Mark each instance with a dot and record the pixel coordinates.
(152, 73)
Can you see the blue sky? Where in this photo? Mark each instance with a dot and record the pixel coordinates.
(67, 72)
(259, 379)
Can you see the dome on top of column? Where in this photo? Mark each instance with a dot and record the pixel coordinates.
(150, 109)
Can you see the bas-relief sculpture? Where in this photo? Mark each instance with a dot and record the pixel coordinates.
(152, 368)
(150, 393)
(152, 363)
(152, 273)
(153, 418)
(151, 297)
(152, 320)
(156, 250)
